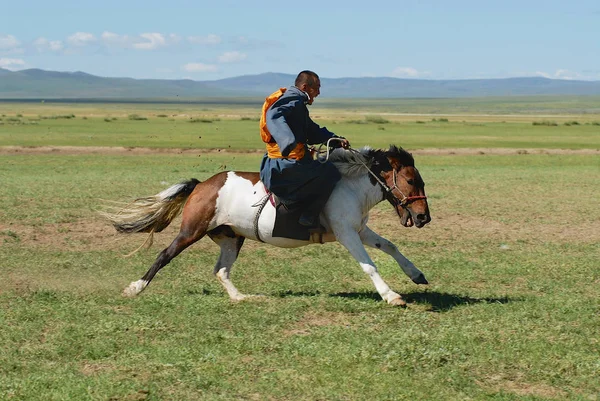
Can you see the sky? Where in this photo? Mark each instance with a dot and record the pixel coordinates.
(211, 40)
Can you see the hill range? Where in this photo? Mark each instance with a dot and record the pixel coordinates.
(41, 84)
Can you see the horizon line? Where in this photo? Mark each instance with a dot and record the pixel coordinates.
(292, 75)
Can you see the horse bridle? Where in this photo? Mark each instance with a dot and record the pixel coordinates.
(389, 192)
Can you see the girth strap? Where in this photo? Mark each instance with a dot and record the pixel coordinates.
(261, 205)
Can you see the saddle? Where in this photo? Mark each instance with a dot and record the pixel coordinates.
(286, 219)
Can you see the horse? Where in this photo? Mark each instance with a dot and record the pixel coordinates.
(232, 206)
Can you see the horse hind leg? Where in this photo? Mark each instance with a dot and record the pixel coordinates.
(230, 244)
(181, 242)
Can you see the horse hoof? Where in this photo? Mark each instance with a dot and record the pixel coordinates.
(134, 288)
(397, 302)
(420, 279)
(245, 297)
(129, 292)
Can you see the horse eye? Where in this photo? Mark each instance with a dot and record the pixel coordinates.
(411, 182)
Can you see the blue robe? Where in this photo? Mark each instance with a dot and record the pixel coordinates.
(306, 180)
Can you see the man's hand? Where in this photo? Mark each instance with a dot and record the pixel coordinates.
(340, 142)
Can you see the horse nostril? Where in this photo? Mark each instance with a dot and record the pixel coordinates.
(422, 217)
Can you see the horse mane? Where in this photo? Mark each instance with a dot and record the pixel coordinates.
(350, 163)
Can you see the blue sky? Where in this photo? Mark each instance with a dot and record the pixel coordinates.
(209, 40)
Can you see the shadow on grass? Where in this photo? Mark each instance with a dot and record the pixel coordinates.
(439, 301)
(289, 293)
(442, 301)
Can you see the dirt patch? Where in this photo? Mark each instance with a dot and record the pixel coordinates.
(503, 151)
(521, 388)
(451, 226)
(93, 368)
(84, 150)
(77, 236)
(116, 150)
(312, 320)
(95, 234)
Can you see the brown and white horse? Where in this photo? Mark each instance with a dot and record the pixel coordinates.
(226, 207)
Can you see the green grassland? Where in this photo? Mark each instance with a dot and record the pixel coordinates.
(236, 127)
(511, 312)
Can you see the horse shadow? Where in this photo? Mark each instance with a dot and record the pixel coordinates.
(438, 301)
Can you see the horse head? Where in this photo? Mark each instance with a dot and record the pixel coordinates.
(404, 188)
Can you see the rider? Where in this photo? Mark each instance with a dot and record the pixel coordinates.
(288, 169)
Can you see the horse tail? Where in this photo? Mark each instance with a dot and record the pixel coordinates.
(153, 213)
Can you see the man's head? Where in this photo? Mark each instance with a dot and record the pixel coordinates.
(309, 82)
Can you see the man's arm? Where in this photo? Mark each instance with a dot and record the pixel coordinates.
(278, 126)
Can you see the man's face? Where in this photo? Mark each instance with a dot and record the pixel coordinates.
(313, 91)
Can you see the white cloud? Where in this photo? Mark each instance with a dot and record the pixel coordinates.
(12, 63)
(80, 39)
(200, 67)
(563, 74)
(145, 41)
(9, 42)
(151, 41)
(173, 38)
(205, 40)
(406, 72)
(231, 57)
(43, 44)
(112, 39)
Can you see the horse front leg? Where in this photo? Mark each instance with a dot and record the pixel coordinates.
(374, 240)
(353, 243)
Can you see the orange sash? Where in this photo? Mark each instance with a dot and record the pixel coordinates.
(272, 148)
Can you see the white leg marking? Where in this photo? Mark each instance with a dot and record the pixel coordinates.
(352, 242)
(374, 240)
(234, 294)
(135, 288)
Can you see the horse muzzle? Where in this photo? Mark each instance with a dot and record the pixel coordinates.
(409, 218)
(421, 219)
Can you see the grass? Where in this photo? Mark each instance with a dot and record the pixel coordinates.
(510, 312)
(511, 255)
(228, 129)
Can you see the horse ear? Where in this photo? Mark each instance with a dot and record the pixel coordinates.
(382, 162)
(394, 163)
(398, 157)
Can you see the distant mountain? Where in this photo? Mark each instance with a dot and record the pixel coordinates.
(41, 84)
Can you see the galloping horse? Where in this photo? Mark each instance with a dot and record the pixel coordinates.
(232, 206)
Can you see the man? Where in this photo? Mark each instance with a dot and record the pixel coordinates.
(288, 169)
